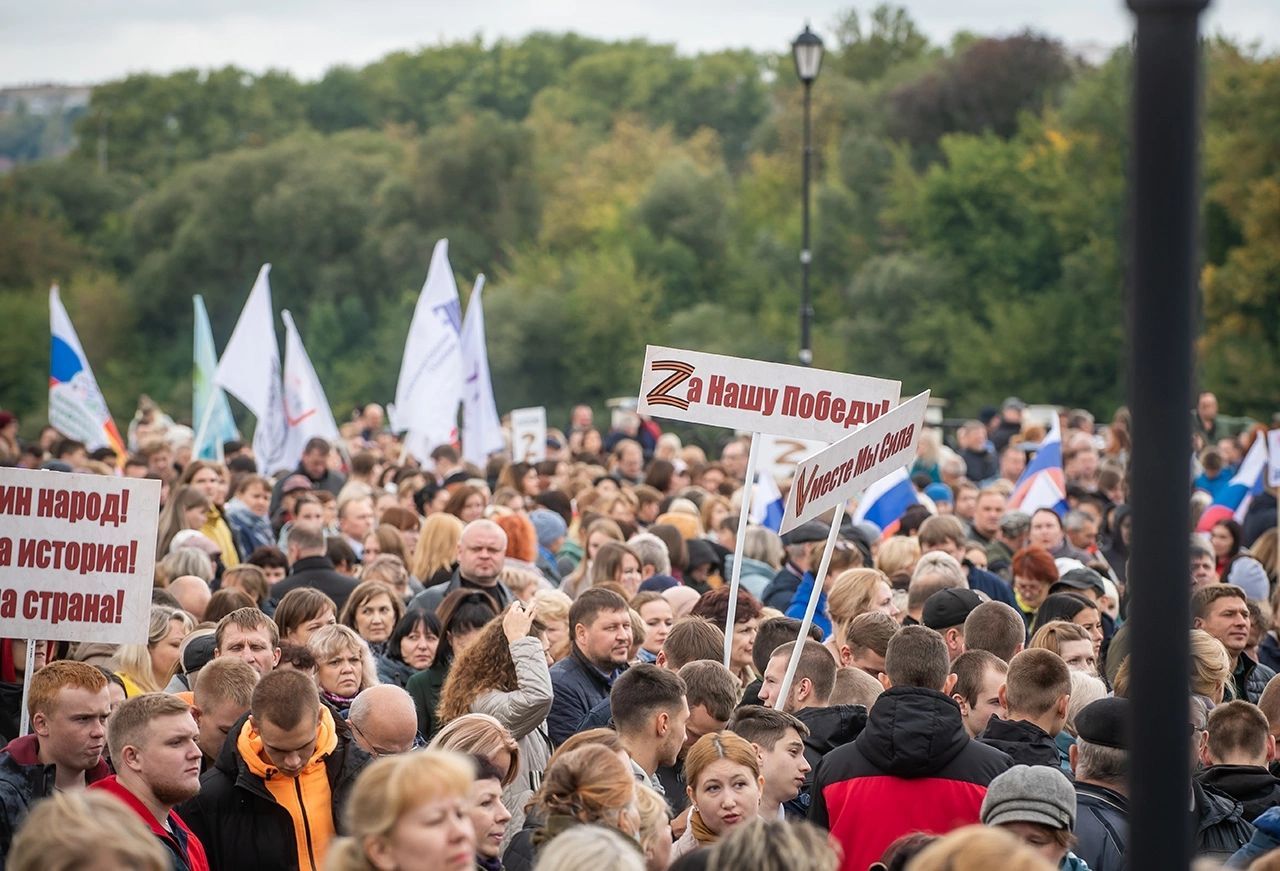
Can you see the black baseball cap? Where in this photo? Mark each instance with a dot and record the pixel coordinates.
(1080, 579)
(949, 607)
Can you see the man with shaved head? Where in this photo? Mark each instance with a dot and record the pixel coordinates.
(192, 593)
(384, 721)
(481, 554)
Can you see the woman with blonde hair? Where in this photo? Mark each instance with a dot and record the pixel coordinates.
(654, 833)
(1210, 667)
(979, 848)
(481, 735)
(504, 674)
(898, 556)
(1069, 641)
(722, 773)
(598, 533)
(390, 570)
(774, 845)
(410, 813)
(372, 610)
(436, 557)
(590, 848)
(553, 613)
(147, 668)
(858, 591)
(344, 665)
(248, 579)
(73, 830)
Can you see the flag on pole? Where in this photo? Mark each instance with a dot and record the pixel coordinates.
(250, 371)
(76, 406)
(208, 400)
(481, 426)
(1042, 484)
(1233, 501)
(307, 412)
(429, 389)
(767, 505)
(885, 501)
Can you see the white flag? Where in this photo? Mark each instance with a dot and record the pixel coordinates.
(430, 385)
(481, 427)
(306, 410)
(250, 371)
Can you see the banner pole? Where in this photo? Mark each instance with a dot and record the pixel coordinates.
(24, 725)
(784, 691)
(744, 512)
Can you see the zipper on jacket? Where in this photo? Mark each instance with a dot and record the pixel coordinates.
(306, 822)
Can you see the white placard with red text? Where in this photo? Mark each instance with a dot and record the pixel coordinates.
(529, 435)
(77, 556)
(754, 396)
(838, 473)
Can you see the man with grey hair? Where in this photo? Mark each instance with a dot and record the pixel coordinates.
(935, 571)
(1081, 530)
(652, 551)
(481, 555)
(384, 721)
(1100, 761)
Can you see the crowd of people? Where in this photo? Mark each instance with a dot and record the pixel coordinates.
(369, 662)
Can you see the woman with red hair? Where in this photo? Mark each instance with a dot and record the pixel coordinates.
(1034, 572)
(522, 538)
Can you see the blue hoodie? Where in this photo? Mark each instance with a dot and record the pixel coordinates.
(800, 601)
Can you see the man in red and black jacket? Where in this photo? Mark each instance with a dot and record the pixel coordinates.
(153, 744)
(914, 768)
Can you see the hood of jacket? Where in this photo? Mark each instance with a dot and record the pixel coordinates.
(1244, 783)
(832, 726)
(1025, 742)
(249, 746)
(1213, 807)
(913, 732)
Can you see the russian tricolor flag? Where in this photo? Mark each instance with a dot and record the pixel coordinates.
(76, 407)
(1042, 484)
(885, 501)
(767, 506)
(1234, 501)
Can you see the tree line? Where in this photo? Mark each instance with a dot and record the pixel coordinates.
(969, 215)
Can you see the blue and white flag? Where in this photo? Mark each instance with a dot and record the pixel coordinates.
(77, 408)
(207, 399)
(767, 506)
(481, 426)
(885, 501)
(1233, 501)
(429, 389)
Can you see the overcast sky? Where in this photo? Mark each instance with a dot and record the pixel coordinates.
(94, 40)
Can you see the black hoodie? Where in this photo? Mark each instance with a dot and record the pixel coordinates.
(1251, 785)
(829, 728)
(1024, 741)
(913, 768)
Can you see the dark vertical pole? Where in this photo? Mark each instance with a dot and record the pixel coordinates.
(1163, 211)
(806, 309)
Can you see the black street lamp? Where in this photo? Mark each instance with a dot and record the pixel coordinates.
(807, 53)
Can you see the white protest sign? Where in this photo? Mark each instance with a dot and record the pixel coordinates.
(529, 435)
(1273, 451)
(836, 474)
(779, 455)
(754, 396)
(77, 556)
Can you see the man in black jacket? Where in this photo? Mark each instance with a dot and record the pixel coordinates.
(274, 797)
(309, 567)
(315, 465)
(1222, 610)
(600, 642)
(828, 726)
(481, 555)
(1036, 692)
(1235, 752)
(914, 767)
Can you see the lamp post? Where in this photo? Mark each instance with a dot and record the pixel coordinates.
(806, 51)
